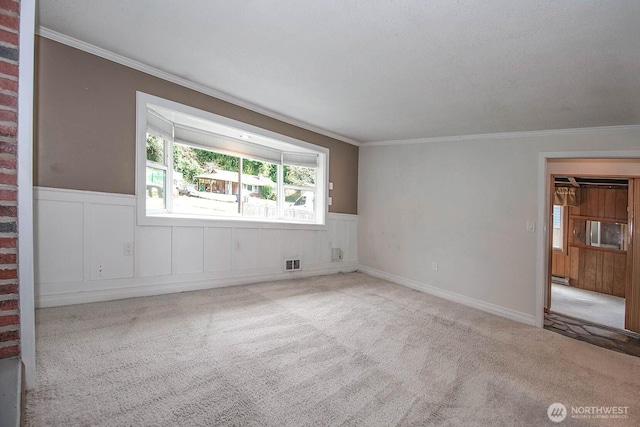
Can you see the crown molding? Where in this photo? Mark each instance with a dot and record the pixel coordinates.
(128, 62)
(502, 135)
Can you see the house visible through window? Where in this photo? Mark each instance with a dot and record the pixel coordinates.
(198, 166)
(558, 227)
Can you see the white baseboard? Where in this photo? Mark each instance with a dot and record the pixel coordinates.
(134, 290)
(452, 296)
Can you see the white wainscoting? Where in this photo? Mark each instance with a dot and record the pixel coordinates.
(81, 239)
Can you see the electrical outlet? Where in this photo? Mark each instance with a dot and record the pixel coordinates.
(434, 265)
(531, 226)
(128, 249)
(100, 270)
(336, 254)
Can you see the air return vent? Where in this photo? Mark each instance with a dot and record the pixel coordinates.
(291, 264)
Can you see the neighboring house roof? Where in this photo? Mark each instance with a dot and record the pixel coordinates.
(220, 175)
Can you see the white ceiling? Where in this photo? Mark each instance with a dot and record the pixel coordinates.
(379, 70)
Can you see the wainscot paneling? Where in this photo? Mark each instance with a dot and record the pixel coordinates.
(187, 249)
(60, 229)
(154, 251)
(111, 229)
(217, 256)
(89, 248)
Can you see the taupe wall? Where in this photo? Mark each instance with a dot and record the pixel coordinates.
(85, 125)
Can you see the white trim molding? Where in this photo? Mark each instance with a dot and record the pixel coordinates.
(25, 194)
(451, 296)
(127, 62)
(542, 241)
(501, 135)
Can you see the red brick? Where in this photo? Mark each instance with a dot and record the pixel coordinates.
(8, 115)
(9, 69)
(10, 273)
(10, 195)
(8, 131)
(9, 100)
(8, 258)
(10, 211)
(9, 319)
(9, 22)
(9, 37)
(10, 288)
(10, 304)
(8, 242)
(7, 163)
(8, 178)
(6, 352)
(6, 84)
(10, 6)
(8, 147)
(9, 336)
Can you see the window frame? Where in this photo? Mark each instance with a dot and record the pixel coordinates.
(167, 150)
(564, 225)
(166, 218)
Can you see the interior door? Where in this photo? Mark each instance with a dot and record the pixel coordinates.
(632, 290)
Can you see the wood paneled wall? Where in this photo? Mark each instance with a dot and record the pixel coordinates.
(607, 203)
(594, 269)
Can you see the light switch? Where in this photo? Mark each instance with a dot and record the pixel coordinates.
(531, 226)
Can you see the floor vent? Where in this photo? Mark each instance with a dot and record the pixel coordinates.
(291, 264)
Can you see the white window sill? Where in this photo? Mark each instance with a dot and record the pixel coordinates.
(185, 220)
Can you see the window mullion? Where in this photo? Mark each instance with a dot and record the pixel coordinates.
(281, 187)
(168, 149)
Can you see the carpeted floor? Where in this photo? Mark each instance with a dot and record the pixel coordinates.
(332, 350)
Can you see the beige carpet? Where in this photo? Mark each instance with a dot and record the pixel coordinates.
(333, 350)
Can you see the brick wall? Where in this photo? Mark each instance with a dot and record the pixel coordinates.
(9, 310)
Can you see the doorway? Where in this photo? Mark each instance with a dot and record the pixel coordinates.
(624, 164)
(613, 164)
(589, 248)
(593, 164)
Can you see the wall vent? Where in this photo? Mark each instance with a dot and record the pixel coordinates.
(291, 264)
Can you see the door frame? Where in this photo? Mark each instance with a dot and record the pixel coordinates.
(543, 244)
